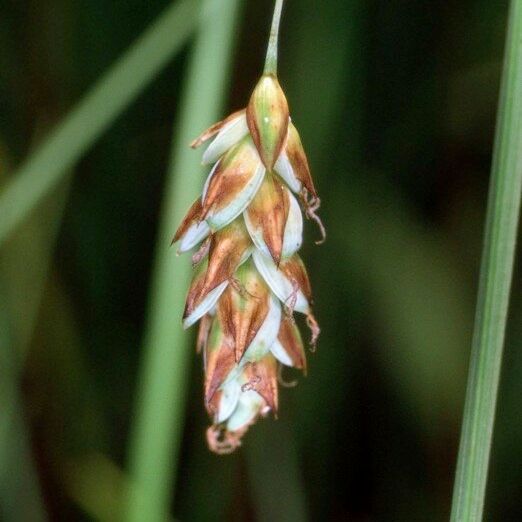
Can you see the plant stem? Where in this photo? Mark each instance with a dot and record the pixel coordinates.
(160, 409)
(78, 131)
(494, 286)
(271, 52)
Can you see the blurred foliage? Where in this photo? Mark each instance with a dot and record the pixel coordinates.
(395, 102)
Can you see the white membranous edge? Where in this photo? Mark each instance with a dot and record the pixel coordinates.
(279, 352)
(293, 235)
(279, 284)
(267, 333)
(220, 218)
(227, 137)
(205, 306)
(285, 170)
(248, 406)
(230, 392)
(196, 233)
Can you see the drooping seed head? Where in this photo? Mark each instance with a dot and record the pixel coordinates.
(249, 280)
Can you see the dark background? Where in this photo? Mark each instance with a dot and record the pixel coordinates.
(395, 101)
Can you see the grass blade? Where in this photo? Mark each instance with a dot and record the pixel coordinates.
(494, 287)
(155, 441)
(94, 113)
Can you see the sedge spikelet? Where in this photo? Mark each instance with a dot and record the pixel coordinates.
(249, 280)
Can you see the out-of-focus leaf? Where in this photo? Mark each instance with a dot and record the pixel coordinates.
(94, 113)
(98, 486)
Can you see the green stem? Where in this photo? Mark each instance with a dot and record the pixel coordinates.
(93, 115)
(160, 409)
(494, 287)
(271, 52)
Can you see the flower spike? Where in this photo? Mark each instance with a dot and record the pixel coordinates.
(246, 229)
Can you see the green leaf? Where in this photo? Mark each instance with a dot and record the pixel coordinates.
(494, 287)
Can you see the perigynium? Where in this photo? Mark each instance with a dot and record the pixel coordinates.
(249, 281)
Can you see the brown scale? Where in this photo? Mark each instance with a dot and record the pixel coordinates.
(242, 313)
(219, 363)
(291, 340)
(232, 173)
(226, 250)
(294, 270)
(214, 129)
(262, 378)
(269, 211)
(298, 160)
(191, 217)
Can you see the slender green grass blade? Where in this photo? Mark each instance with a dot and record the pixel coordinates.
(159, 418)
(94, 113)
(494, 287)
